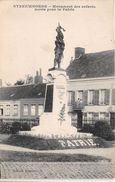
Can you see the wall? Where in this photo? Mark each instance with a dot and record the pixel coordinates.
(29, 102)
(107, 83)
(11, 103)
(20, 104)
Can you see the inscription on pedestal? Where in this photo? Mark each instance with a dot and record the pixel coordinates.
(49, 99)
(77, 143)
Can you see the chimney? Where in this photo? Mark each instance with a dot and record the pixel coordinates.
(36, 73)
(40, 71)
(38, 78)
(79, 51)
(0, 82)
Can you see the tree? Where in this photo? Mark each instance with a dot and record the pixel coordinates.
(102, 129)
(8, 84)
(19, 82)
(29, 79)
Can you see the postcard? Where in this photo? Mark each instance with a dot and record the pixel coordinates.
(57, 90)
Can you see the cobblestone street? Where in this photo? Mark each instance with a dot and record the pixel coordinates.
(58, 170)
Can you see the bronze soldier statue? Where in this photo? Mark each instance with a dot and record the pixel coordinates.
(60, 45)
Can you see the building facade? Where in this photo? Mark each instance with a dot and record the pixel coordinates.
(22, 103)
(91, 87)
(91, 92)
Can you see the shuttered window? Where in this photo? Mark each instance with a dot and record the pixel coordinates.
(85, 97)
(107, 96)
(104, 97)
(40, 109)
(96, 97)
(71, 97)
(113, 96)
(33, 110)
(15, 110)
(80, 95)
(7, 110)
(91, 97)
(25, 110)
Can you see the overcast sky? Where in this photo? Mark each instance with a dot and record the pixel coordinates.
(27, 37)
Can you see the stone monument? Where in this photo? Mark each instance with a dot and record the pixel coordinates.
(55, 121)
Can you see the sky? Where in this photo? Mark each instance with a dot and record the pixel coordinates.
(27, 37)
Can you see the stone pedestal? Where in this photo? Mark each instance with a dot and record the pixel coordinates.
(55, 121)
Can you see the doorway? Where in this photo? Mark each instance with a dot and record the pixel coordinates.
(79, 119)
(112, 120)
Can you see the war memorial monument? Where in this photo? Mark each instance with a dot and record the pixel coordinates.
(55, 122)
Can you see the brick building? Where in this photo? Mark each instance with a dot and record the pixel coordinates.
(91, 87)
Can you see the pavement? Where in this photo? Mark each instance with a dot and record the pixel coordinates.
(56, 170)
(60, 170)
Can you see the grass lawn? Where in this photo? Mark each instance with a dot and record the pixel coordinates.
(4, 137)
(46, 144)
(38, 144)
(11, 156)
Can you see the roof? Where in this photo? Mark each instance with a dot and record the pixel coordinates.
(92, 65)
(22, 92)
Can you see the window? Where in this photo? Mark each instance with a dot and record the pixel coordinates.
(40, 109)
(90, 96)
(102, 97)
(113, 96)
(7, 110)
(96, 116)
(25, 110)
(104, 116)
(80, 95)
(74, 117)
(85, 97)
(85, 116)
(90, 116)
(33, 110)
(15, 110)
(71, 97)
(96, 97)
(1, 110)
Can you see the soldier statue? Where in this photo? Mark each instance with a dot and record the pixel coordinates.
(60, 45)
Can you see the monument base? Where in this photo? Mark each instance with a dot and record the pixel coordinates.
(58, 133)
(55, 129)
(57, 69)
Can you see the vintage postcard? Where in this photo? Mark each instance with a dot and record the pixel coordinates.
(57, 90)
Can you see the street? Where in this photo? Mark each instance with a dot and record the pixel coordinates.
(102, 169)
(58, 170)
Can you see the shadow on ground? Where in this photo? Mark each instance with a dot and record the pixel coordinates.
(14, 156)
